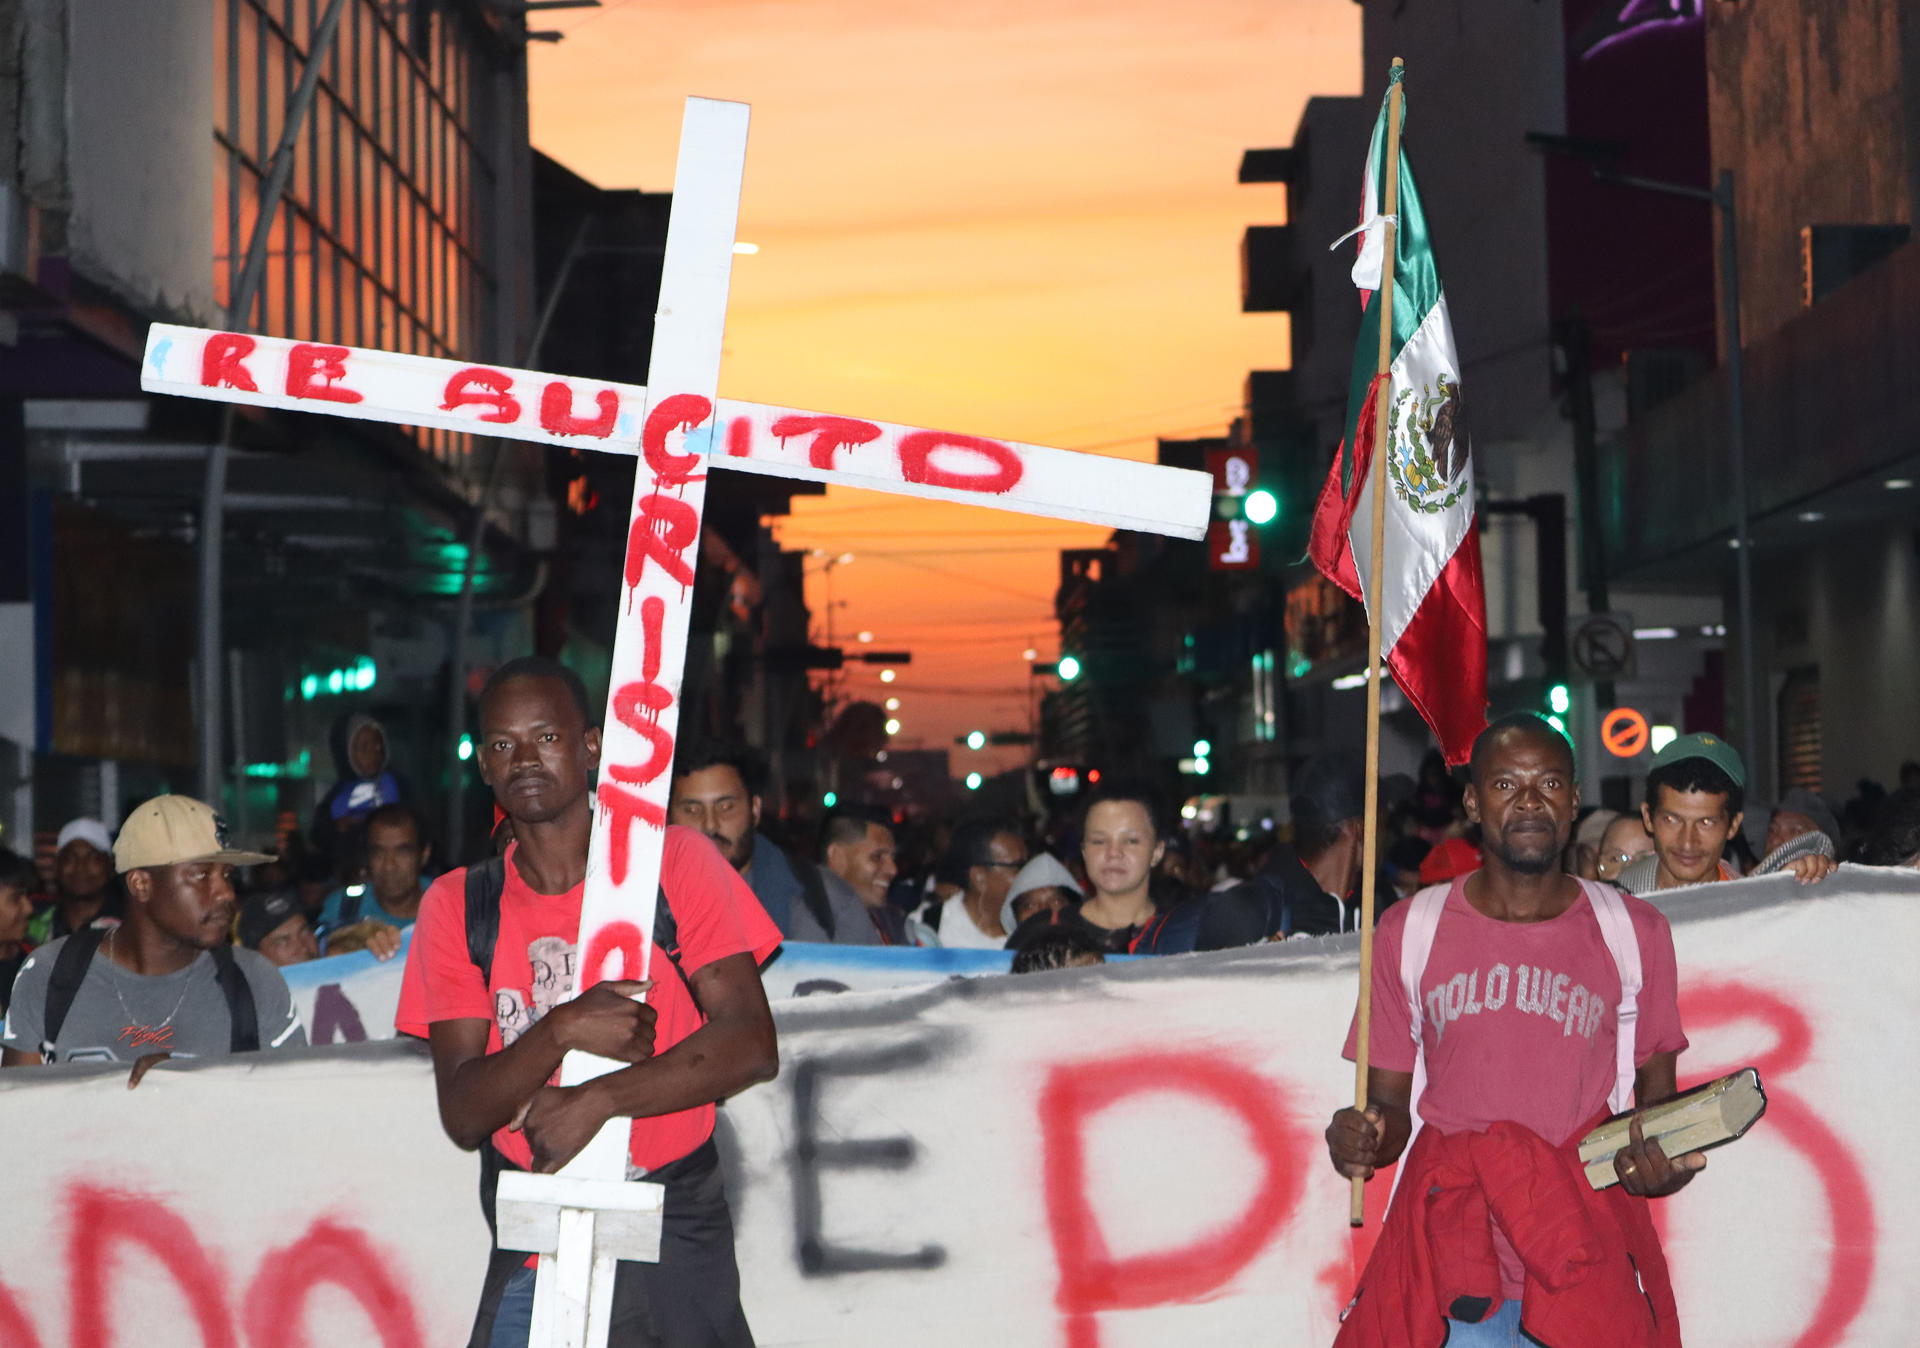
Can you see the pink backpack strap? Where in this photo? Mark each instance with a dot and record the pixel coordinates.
(1416, 947)
(1616, 929)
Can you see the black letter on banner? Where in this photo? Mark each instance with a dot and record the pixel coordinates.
(817, 1258)
(335, 1019)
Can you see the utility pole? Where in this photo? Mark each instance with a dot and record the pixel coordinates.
(214, 490)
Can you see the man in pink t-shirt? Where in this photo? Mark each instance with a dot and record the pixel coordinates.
(498, 1035)
(1519, 998)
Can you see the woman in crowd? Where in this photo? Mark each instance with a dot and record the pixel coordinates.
(1123, 837)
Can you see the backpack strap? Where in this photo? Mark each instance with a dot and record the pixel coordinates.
(63, 985)
(1616, 929)
(485, 883)
(1416, 947)
(245, 1034)
(813, 893)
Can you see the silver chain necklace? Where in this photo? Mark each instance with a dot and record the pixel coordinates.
(147, 1033)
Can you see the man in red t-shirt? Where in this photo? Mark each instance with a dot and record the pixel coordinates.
(1519, 1003)
(705, 1032)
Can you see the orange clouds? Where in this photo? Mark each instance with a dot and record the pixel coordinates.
(1016, 220)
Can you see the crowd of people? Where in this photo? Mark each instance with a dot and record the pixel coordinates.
(166, 940)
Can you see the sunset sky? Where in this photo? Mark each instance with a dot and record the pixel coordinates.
(1017, 220)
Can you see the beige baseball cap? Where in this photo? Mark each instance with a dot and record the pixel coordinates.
(171, 830)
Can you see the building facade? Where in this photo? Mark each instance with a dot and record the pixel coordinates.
(130, 179)
(1816, 115)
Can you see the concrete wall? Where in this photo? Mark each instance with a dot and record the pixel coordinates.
(1479, 77)
(1848, 607)
(1812, 112)
(139, 118)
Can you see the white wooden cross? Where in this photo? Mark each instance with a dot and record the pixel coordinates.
(587, 1217)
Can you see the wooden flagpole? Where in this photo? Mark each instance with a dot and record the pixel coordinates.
(1370, 841)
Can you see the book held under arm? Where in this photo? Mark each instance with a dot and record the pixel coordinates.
(1707, 1116)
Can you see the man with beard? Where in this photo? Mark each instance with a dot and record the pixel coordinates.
(715, 790)
(1528, 1004)
(496, 1002)
(164, 982)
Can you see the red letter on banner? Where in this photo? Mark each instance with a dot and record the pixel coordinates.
(829, 434)
(663, 529)
(1092, 1279)
(916, 462)
(312, 371)
(623, 808)
(679, 409)
(556, 412)
(328, 1255)
(478, 386)
(220, 362)
(104, 1221)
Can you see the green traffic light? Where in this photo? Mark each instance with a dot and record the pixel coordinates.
(1068, 669)
(1560, 699)
(1261, 507)
(976, 739)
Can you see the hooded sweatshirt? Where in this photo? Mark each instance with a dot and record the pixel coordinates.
(352, 797)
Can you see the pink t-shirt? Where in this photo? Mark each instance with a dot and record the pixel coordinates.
(1518, 1019)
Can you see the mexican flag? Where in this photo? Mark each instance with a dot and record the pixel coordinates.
(1433, 618)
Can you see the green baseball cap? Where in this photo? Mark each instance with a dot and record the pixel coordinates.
(1710, 747)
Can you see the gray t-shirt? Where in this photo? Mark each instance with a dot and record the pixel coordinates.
(118, 1016)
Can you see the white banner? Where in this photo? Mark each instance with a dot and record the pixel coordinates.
(1096, 1158)
(349, 999)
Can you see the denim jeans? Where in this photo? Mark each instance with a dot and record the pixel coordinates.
(513, 1322)
(1499, 1330)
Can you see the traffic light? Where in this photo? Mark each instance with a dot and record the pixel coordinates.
(976, 739)
(1261, 506)
(1068, 668)
(1559, 703)
(973, 781)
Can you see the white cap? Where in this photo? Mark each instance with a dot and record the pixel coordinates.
(86, 830)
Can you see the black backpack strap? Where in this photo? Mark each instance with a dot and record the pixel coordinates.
(813, 892)
(63, 985)
(245, 1037)
(486, 882)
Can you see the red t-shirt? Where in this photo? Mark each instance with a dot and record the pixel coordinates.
(537, 952)
(1518, 1019)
